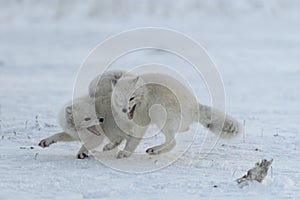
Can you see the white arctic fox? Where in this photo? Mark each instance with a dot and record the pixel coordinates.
(133, 97)
(79, 123)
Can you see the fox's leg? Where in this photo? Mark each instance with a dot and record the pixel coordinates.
(130, 146)
(83, 152)
(113, 144)
(132, 142)
(89, 142)
(169, 130)
(56, 138)
(165, 147)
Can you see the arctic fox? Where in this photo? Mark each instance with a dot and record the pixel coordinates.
(79, 123)
(133, 98)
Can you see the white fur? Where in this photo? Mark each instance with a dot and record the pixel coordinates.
(101, 85)
(101, 89)
(116, 129)
(72, 116)
(181, 106)
(78, 119)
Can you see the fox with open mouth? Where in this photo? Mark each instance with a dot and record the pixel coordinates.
(79, 123)
(134, 95)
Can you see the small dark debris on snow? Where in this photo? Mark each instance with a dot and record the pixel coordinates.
(279, 136)
(11, 138)
(257, 173)
(28, 148)
(48, 125)
(215, 186)
(37, 124)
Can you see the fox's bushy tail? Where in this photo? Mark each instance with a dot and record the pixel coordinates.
(219, 122)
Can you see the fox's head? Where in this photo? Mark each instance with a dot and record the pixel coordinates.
(128, 94)
(82, 116)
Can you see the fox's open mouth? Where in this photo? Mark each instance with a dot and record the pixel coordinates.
(94, 130)
(131, 113)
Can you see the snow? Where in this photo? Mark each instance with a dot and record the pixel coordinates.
(255, 45)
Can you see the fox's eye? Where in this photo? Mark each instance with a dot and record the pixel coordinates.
(101, 119)
(87, 119)
(131, 98)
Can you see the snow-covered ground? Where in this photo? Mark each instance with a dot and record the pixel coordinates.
(258, 56)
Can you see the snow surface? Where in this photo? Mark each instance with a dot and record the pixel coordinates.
(257, 54)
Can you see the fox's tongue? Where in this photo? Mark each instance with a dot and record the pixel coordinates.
(131, 113)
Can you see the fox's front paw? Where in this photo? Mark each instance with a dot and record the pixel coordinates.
(82, 155)
(46, 143)
(123, 154)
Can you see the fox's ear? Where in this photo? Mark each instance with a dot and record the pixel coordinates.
(68, 110)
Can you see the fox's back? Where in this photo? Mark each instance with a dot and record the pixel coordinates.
(173, 94)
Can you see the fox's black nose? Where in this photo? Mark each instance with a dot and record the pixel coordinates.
(124, 110)
(101, 119)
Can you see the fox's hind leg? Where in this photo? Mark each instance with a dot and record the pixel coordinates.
(56, 138)
(165, 147)
(169, 130)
